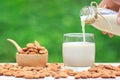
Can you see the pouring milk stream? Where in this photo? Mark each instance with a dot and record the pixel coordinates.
(101, 18)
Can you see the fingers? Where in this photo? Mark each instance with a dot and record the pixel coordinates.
(109, 34)
(118, 19)
(106, 4)
(116, 2)
(110, 4)
(103, 3)
(104, 32)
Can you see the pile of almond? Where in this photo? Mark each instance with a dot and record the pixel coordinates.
(33, 48)
(103, 71)
(55, 70)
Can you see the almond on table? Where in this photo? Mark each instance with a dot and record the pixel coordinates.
(97, 71)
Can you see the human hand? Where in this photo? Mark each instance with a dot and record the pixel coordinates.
(113, 5)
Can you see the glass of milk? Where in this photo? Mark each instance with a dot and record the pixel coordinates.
(76, 52)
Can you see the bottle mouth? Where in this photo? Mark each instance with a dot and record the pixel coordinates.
(88, 14)
(85, 11)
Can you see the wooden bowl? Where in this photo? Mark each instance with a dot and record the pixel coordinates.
(35, 60)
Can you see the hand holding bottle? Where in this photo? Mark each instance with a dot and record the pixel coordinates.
(113, 5)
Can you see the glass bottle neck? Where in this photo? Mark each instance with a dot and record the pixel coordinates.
(88, 14)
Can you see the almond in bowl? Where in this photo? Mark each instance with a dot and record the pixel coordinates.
(32, 55)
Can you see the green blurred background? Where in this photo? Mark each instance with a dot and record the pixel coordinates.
(46, 21)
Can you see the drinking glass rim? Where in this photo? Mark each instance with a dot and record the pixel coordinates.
(78, 34)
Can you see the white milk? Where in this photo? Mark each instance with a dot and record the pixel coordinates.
(109, 25)
(83, 28)
(78, 54)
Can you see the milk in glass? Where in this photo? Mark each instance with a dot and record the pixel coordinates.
(78, 54)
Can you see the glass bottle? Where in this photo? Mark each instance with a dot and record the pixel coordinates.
(101, 18)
